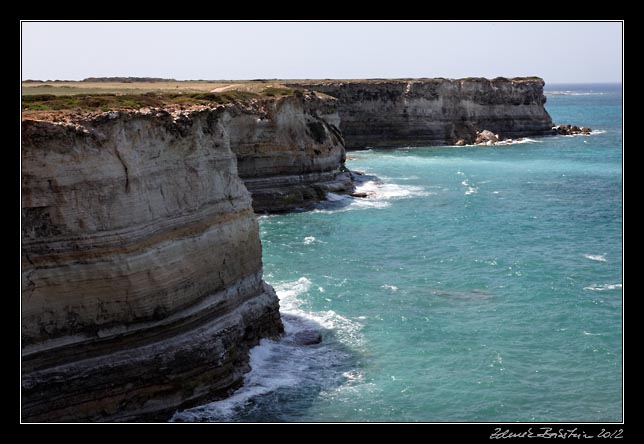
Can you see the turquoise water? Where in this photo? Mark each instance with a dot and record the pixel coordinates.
(476, 284)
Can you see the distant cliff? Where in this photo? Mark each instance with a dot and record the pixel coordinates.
(416, 112)
(289, 151)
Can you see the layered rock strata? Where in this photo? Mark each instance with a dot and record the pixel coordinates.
(290, 152)
(142, 286)
(418, 112)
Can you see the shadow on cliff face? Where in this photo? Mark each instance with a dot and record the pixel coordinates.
(287, 376)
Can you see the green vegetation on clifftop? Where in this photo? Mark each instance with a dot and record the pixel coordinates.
(106, 102)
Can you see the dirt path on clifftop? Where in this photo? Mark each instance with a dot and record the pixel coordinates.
(226, 88)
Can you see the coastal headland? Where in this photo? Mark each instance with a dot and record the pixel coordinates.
(142, 283)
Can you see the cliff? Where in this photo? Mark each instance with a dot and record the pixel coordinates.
(289, 151)
(416, 112)
(142, 284)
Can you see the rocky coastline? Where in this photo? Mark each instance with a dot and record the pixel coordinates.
(421, 112)
(142, 285)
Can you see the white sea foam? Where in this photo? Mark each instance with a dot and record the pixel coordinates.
(594, 132)
(505, 142)
(516, 142)
(379, 195)
(596, 257)
(332, 197)
(288, 291)
(572, 93)
(349, 203)
(348, 331)
(285, 363)
(309, 240)
(603, 287)
(387, 191)
(390, 287)
(470, 189)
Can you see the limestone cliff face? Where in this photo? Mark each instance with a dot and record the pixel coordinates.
(289, 152)
(416, 112)
(142, 284)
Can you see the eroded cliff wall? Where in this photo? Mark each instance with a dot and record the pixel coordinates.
(142, 284)
(289, 151)
(416, 112)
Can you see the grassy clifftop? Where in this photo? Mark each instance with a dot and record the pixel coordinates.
(124, 86)
(107, 102)
(103, 95)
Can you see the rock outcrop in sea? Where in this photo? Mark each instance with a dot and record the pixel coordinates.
(571, 130)
(421, 112)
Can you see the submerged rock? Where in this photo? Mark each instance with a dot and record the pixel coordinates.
(307, 337)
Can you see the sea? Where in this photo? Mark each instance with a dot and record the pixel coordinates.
(474, 284)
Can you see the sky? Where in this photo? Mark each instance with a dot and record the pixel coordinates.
(560, 52)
